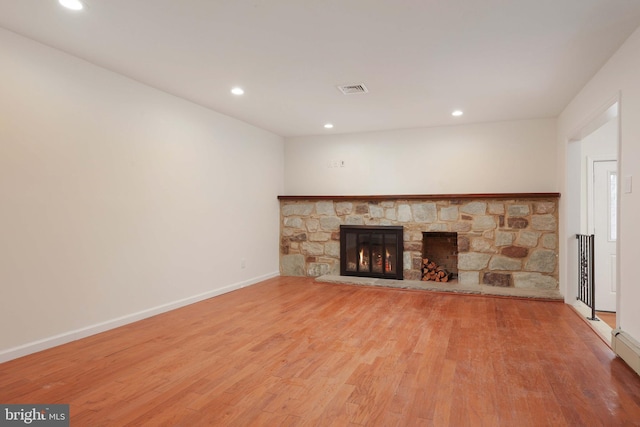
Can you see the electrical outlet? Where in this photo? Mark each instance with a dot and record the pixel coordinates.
(243, 263)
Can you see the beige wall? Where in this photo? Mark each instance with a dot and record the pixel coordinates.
(119, 201)
(515, 156)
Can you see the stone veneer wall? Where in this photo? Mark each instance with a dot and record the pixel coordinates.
(501, 242)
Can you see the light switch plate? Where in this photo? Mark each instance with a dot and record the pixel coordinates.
(628, 184)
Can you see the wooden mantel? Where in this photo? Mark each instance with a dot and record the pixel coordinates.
(429, 196)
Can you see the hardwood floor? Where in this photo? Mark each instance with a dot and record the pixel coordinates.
(290, 351)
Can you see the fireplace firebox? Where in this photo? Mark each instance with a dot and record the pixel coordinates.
(441, 249)
(371, 251)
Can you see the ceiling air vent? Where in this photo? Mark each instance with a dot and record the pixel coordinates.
(353, 89)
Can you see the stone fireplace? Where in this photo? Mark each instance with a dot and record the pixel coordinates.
(505, 240)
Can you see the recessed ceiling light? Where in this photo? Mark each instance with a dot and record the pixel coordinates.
(71, 4)
(328, 126)
(237, 91)
(457, 113)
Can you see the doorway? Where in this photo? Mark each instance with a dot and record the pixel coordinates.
(598, 148)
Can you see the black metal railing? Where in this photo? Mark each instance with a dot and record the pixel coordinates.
(586, 269)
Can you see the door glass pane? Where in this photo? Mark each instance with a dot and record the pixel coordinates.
(390, 253)
(364, 259)
(352, 252)
(613, 211)
(376, 253)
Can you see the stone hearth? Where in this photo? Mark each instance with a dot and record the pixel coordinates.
(458, 288)
(504, 240)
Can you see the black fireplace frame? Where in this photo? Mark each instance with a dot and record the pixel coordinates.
(397, 231)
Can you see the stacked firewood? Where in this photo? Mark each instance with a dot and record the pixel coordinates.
(434, 272)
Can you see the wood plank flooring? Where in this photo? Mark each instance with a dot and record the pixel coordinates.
(290, 351)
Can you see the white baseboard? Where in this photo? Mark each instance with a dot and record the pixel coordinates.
(600, 327)
(627, 348)
(56, 340)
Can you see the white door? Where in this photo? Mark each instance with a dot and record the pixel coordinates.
(605, 182)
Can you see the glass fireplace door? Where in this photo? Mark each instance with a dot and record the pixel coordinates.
(371, 251)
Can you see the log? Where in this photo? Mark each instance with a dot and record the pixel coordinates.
(434, 272)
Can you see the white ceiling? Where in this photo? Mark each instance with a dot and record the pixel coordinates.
(420, 59)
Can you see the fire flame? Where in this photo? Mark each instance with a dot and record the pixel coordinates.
(388, 259)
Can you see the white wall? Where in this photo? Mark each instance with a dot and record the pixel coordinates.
(119, 201)
(619, 77)
(515, 156)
